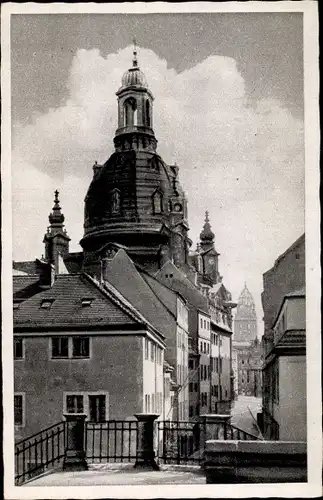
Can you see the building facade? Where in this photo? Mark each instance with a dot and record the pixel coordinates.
(284, 346)
(71, 355)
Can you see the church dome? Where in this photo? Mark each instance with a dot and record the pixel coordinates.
(134, 76)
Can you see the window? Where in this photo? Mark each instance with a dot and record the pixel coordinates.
(195, 387)
(87, 301)
(248, 376)
(46, 303)
(115, 201)
(81, 347)
(242, 361)
(97, 408)
(191, 411)
(152, 351)
(191, 364)
(130, 112)
(153, 403)
(220, 365)
(18, 348)
(216, 340)
(191, 386)
(19, 410)
(60, 347)
(74, 404)
(204, 323)
(208, 348)
(157, 203)
(146, 348)
(201, 323)
(216, 392)
(148, 121)
(217, 365)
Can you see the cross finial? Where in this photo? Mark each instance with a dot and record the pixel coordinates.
(206, 216)
(134, 60)
(56, 196)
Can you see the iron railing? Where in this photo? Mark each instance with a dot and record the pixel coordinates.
(39, 452)
(111, 441)
(184, 442)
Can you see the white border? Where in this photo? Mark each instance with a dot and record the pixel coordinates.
(313, 487)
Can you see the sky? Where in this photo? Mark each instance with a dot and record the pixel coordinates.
(228, 110)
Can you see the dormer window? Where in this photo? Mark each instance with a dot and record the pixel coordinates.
(46, 303)
(87, 301)
(157, 202)
(115, 201)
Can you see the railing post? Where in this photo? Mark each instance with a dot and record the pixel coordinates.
(215, 421)
(74, 458)
(145, 456)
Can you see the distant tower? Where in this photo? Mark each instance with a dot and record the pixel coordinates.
(210, 257)
(56, 239)
(245, 321)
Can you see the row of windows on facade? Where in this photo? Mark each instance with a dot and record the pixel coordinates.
(93, 405)
(205, 323)
(157, 203)
(205, 346)
(215, 389)
(215, 366)
(154, 403)
(61, 347)
(153, 352)
(47, 303)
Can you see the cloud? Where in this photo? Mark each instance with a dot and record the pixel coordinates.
(241, 160)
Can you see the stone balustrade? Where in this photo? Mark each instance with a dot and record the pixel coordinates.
(229, 462)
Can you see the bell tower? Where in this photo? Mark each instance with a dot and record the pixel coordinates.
(56, 239)
(135, 111)
(210, 257)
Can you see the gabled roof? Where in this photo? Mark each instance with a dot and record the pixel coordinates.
(66, 308)
(163, 292)
(181, 284)
(139, 291)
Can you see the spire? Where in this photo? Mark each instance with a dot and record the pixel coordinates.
(56, 218)
(134, 59)
(207, 235)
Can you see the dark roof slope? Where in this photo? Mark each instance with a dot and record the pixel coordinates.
(178, 282)
(25, 286)
(66, 309)
(28, 266)
(123, 275)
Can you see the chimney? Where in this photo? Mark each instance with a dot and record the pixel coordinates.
(46, 273)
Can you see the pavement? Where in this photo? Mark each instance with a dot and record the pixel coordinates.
(244, 413)
(122, 474)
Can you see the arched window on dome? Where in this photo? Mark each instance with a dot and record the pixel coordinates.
(130, 112)
(148, 119)
(115, 201)
(157, 202)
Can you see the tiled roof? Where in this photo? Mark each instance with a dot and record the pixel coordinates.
(28, 266)
(167, 296)
(66, 309)
(123, 275)
(181, 284)
(25, 286)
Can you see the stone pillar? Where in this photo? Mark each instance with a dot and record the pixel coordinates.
(145, 444)
(74, 453)
(214, 426)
